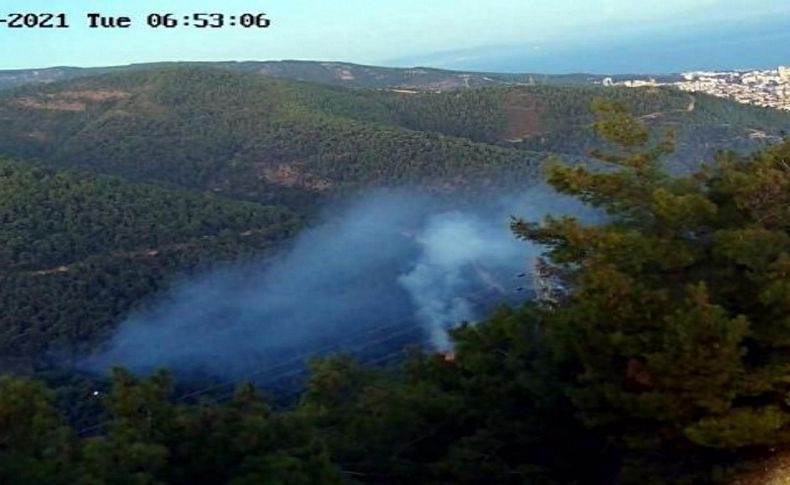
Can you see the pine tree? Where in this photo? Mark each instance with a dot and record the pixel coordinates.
(675, 329)
(34, 445)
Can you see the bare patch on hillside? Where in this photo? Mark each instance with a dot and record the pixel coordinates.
(344, 74)
(451, 83)
(38, 136)
(408, 92)
(51, 271)
(76, 100)
(293, 175)
(50, 104)
(524, 116)
(338, 71)
(94, 95)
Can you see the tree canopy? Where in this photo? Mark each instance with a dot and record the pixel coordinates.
(663, 359)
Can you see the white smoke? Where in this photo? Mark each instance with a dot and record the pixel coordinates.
(452, 243)
(365, 282)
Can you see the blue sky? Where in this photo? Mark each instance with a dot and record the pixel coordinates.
(369, 31)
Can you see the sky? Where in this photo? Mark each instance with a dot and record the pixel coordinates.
(446, 33)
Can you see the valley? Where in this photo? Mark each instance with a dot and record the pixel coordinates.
(345, 241)
(260, 154)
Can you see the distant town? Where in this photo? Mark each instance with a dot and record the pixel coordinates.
(768, 88)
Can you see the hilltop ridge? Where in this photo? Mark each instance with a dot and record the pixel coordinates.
(272, 139)
(335, 73)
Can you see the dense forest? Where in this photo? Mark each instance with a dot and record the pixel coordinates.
(280, 141)
(241, 135)
(558, 119)
(77, 251)
(659, 354)
(332, 73)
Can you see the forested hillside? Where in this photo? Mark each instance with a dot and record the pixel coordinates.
(242, 135)
(334, 73)
(658, 354)
(273, 140)
(78, 251)
(662, 347)
(558, 119)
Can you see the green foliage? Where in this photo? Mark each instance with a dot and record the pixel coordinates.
(674, 331)
(752, 425)
(666, 357)
(34, 446)
(491, 415)
(476, 114)
(273, 140)
(241, 135)
(78, 251)
(558, 119)
(327, 73)
(149, 440)
(56, 218)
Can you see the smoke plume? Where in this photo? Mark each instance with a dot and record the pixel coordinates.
(387, 270)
